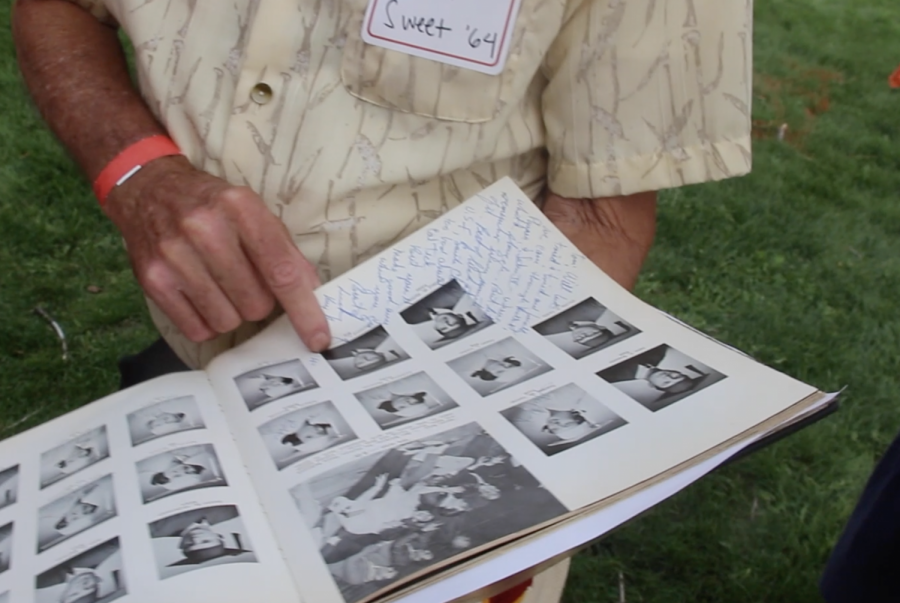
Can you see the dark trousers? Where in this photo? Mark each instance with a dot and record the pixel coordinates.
(864, 566)
(154, 361)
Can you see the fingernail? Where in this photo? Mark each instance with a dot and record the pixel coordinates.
(319, 342)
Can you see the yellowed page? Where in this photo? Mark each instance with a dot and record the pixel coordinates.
(478, 363)
(140, 497)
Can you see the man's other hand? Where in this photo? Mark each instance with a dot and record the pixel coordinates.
(615, 233)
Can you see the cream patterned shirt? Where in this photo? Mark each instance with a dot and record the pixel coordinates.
(355, 147)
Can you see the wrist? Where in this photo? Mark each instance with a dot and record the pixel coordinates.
(130, 161)
(161, 174)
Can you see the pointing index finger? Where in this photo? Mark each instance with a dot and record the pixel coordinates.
(290, 276)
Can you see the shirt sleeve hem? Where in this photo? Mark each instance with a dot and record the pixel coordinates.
(704, 162)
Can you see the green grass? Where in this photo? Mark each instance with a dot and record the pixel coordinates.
(798, 264)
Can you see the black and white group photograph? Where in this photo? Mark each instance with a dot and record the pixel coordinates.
(163, 418)
(585, 328)
(367, 353)
(94, 576)
(6, 533)
(383, 517)
(73, 456)
(75, 512)
(660, 377)
(9, 486)
(269, 383)
(179, 470)
(404, 400)
(302, 433)
(498, 366)
(563, 418)
(445, 315)
(200, 538)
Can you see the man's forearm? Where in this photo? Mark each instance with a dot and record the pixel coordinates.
(209, 254)
(75, 69)
(616, 233)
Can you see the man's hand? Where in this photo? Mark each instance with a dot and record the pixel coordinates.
(212, 255)
(615, 233)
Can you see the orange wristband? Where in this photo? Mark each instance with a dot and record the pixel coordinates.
(127, 163)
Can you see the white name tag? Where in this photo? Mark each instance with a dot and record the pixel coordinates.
(474, 34)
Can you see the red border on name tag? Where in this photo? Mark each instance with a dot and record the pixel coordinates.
(506, 28)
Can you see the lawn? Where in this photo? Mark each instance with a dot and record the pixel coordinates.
(798, 265)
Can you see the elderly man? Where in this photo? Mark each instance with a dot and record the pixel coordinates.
(271, 145)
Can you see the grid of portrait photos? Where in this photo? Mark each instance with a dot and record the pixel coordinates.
(78, 496)
(489, 359)
(388, 515)
(77, 499)
(376, 518)
(391, 514)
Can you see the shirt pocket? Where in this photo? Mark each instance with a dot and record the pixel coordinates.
(401, 82)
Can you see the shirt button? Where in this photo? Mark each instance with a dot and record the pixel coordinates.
(261, 93)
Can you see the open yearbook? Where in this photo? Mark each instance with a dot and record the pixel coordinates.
(487, 385)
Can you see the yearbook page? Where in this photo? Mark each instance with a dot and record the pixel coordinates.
(486, 380)
(140, 497)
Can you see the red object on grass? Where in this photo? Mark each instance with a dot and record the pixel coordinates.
(894, 80)
(513, 595)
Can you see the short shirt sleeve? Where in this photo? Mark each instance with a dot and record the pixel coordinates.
(646, 95)
(98, 9)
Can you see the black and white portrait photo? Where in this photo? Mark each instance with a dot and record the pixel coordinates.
(164, 418)
(75, 512)
(404, 400)
(394, 513)
(94, 576)
(498, 366)
(367, 353)
(269, 383)
(585, 328)
(200, 538)
(73, 456)
(6, 533)
(563, 418)
(660, 377)
(302, 433)
(9, 486)
(446, 315)
(179, 470)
